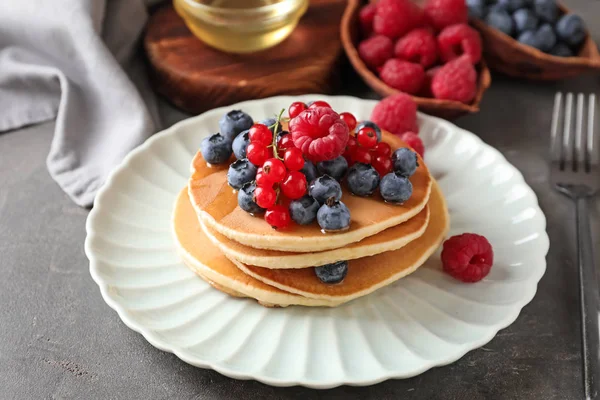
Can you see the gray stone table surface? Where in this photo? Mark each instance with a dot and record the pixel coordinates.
(59, 340)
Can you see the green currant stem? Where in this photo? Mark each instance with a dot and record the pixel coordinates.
(274, 144)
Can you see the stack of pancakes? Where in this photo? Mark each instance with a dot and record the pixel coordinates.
(243, 256)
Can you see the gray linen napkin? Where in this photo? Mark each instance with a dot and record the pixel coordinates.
(73, 60)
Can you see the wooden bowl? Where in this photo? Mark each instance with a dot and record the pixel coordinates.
(448, 109)
(505, 54)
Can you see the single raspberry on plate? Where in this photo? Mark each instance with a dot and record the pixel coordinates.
(418, 46)
(320, 133)
(467, 257)
(403, 75)
(414, 141)
(396, 114)
(394, 18)
(365, 19)
(376, 50)
(456, 80)
(443, 13)
(456, 40)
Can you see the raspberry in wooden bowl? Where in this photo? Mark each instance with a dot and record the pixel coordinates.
(430, 53)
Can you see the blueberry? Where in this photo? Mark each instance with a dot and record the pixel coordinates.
(530, 39)
(546, 10)
(512, 5)
(246, 199)
(240, 144)
(362, 179)
(335, 168)
(282, 134)
(546, 37)
(561, 50)
(234, 122)
(476, 8)
(571, 29)
(395, 188)
(332, 273)
(310, 171)
(325, 187)
(304, 210)
(216, 149)
(240, 172)
(405, 161)
(270, 122)
(500, 20)
(525, 20)
(497, 7)
(333, 216)
(370, 124)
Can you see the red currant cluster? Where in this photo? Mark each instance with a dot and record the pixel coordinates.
(365, 148)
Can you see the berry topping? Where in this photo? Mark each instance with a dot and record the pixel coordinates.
(361, 155)
(332, 273)
(335, 168)
(310, 171)
(320, 133)
(501, 20)
(403, 75)
(405, 161)
(260, 133)
(318, 103)
(293, 160)
(382, 164)
(284, 143)
(467, 257)
(304, 210)
(571, 29)
(257, 153)
(370, 124)
(262, 180)
(349, 120)
(278, 217)
(394, 18)
(296, 108)
(395, 188)
(456, 80)
(294, 185)
(240, 144)
(240, 172)
(456, 40)
(414, 141)
(265, 196)
(362, 179)
(216, 149)
(246, 199)
(367, 137)
(443, 13)
(274, 170)
(333, 216)
(376, 50)
(233, 123)
(396, 113)
(547, 10)
(365, 19)
(325, 187)
(418, 46)
(270, 123)
(383, 149)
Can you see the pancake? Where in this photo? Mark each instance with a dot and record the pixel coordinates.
(206, 260)
(368, 274)
(216, 204)
(391, 239)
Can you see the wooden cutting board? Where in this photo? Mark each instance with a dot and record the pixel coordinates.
(196, 77)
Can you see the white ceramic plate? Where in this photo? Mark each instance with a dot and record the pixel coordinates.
(424, 320)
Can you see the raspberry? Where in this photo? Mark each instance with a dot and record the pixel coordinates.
(396, 114)
(443, 13)
(394, 18)
(376, 50)
(418, 46)
(456, 80)
(429, 74)
(459, 39)
(467, 257)
(320, 133)
(365, 19)
(414, 141)
(403, 75)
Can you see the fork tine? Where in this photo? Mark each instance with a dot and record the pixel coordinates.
(554, 130)
(591, 156)
(567, 142)
(579, 150)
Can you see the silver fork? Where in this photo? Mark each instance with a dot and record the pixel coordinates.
(574, 172)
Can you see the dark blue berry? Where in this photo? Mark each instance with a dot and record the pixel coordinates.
(282, 134)
(500, 20)
(525, 20)
(246, 199)
(332, 273)
(324, 188)
(216, 149)
(571, 30)
(333, 216)
(233, 123)
(370, 124)
(530, 39)
(497, 7)
(561, 50)
(546, 10)
(310, 171)
(270, 122)
(335, 168)
(405, 161)
(304, 210)
(240, 172)
(546, 37)
(476, 8)
(362, 179)
(395, 188)
(512, 5)
(240, 144)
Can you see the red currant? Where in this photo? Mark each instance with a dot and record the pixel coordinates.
(278, 217)
(285, 143)
(349, 120)
(367, 137)
(257, 153)
(293, 160)
(361, 155)
(383, 149)
(294, 185)
(262, 180)
(351, 144)
(265, 197)
(383, 165)
(274, 170)
(296, 108)
(260, 133)
(319, 103)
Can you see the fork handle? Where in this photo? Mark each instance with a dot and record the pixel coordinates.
(588, 299)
